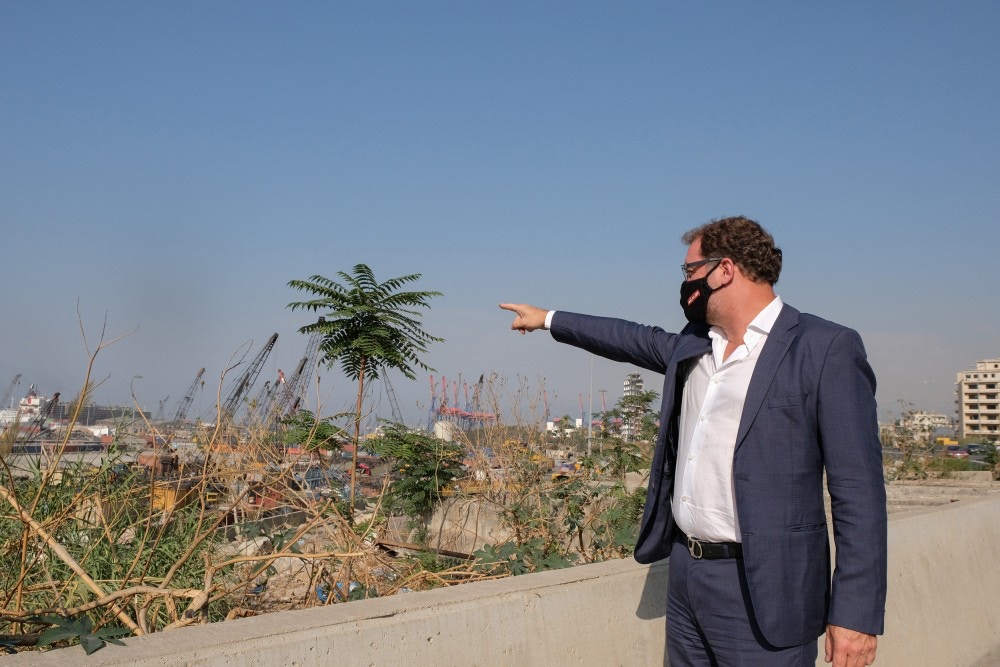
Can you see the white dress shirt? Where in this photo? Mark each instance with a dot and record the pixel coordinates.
(704, 500)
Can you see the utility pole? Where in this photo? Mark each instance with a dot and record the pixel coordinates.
(590, 409)
(604, 414)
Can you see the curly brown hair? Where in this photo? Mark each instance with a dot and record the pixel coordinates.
(742, 240)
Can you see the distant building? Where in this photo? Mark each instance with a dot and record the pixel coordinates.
(926, 421)
(977, 398)
(631, 422)
(564, 425)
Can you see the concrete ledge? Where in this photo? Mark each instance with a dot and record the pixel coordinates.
(607, 614)
(943, 607)
(942, 610)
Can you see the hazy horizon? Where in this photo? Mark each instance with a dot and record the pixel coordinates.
(170, 167)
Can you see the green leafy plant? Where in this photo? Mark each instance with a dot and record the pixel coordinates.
(534, 555)
(80, 628)
(368, 327)
(304, 430)
(425, 467)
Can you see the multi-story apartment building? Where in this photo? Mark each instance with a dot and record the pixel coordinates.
(632, 386)
(977, 397)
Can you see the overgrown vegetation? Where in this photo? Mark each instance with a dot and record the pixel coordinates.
(921, 455)
(426, 467)
(167, 530)
(176, 526)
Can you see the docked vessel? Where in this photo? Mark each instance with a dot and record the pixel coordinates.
(32, 409)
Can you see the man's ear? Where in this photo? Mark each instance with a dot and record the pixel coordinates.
(729, 270)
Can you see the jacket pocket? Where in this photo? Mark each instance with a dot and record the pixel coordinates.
(786, 401)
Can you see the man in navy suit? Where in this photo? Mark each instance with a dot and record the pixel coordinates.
(759, 402)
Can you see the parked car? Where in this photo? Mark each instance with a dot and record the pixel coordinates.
(956, 452)
(976, 448)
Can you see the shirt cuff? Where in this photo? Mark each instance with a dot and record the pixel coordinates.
(548, 319)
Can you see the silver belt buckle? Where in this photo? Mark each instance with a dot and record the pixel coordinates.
(694, 548)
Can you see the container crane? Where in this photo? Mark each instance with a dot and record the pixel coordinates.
(447, 410)
(445, 405)
(478, 414)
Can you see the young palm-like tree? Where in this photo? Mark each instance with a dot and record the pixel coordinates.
(369, 327)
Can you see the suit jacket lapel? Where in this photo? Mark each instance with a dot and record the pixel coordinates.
(774, 350)
(694, 342)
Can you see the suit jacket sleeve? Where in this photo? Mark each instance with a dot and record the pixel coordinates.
(656, 350)
(852, 453)
(619, 340)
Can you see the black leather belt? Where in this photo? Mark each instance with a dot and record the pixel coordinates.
(712, 550)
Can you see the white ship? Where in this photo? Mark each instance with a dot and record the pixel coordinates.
(31, 410)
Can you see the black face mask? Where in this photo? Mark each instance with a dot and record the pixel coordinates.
(697, 311)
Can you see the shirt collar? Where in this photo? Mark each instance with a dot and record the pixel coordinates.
(766, 318)
(758, 329)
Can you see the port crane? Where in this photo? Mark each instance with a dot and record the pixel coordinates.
(283, 396)
(242, 386)
(397, 416)
(37, 425)
(185, 403)
(264, 403)
(432, 412)
(295, 389)
(159, 408)
(471, 416)
(10, 390)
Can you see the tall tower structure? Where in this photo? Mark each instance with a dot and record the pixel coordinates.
(977, 398)
(632, 386)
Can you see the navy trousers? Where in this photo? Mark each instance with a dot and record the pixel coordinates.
(710, 620)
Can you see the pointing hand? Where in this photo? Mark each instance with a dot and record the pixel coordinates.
(528, 317)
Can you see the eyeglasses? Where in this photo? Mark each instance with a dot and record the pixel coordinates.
(689, 268)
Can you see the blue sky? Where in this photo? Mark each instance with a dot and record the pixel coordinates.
(168, 167)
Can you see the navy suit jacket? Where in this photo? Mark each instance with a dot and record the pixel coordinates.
(810, 409)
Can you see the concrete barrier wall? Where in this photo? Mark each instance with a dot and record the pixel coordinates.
(943, 606)
(943, 609)
(603, 614)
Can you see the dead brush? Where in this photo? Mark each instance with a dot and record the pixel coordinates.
(228, 529)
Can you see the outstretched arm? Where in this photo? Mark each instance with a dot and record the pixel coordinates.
(528, 317)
